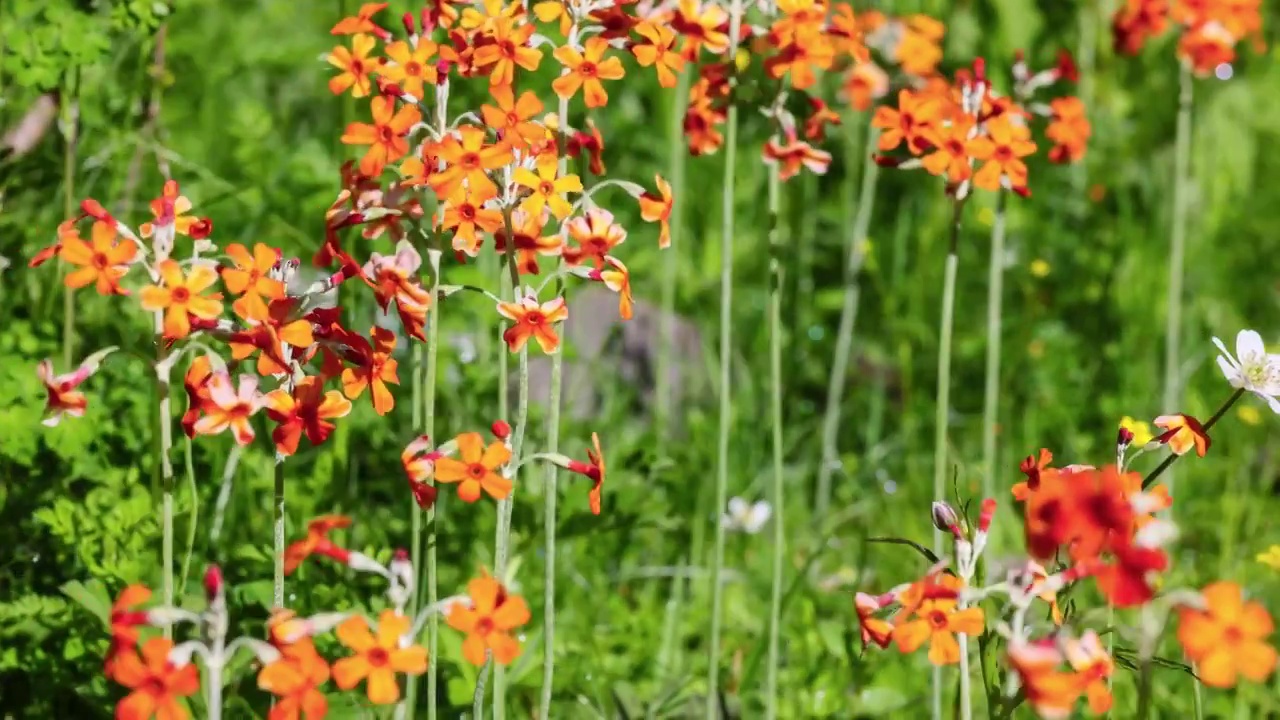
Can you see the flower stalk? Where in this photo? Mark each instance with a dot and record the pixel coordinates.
(1177, 249)
(665, 402)
(775, 385)
(848, 320)
(164, 446)
(726, 353)
(991, 383)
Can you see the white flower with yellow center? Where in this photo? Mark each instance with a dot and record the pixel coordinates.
(1252, 368)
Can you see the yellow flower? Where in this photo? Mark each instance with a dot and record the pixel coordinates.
(1039, 268)
(1249, 415)
(1141, 430)
(1271, 558)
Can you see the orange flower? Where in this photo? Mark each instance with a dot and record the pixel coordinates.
(1228, 637)
(385, 136)
(179, 297)
(103, 263)
(552, 10)
(795, 154)
(477, 470)
(1181, 433)
(864, 84)
(308, 409)
(1138, 20)
(375, 368)
(419, 463)
(593, 470)
(394, 277)
(938, 620)
(907, 122)
(488, 622)
(1094, 666)
(1040, 575)
(545, 189)
(529, 319)
(1069, 130)
(815, 126)
(657, 208)
(511, 119)
(355, 64)
(61, 396)
(465, 212)
(596, 234)
(125, 619)
(800, 60)
(412, 69)
(230, 408)
(295, 678)
(250, 279)
(700, 129)
(170, 210)
(658, 52)
(919, 51)
(529, 240)
(950, 156)
(156, 683)
(701, 27)
(872, 629)
(1002, 149)
(316, 542)
(585, 70)
(196, 383)
(361, 22)
(468, 159)
(1049, 690)
(271, 336)
(377, 658)
(617, 279)
(1032, 468)
(1206, 47)
(510, 47)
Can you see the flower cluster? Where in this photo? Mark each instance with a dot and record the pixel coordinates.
(1210, 29)
(1086, 523)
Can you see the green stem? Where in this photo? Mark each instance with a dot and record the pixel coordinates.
(1177, 250)
(277, 516)
(549, 489)
(726, 355)
(670, 260)
(193, 520)
(991, 393)
(775, 387)
(69, 209)
(848, 318)
(943, 405)
(1207, 426)
(164, 446)
(1144, 689)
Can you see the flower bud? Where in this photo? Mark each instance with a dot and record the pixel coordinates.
(945, 518)
(1124, 437)
(501, 429)
(213, 583)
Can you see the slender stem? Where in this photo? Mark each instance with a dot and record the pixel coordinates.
(726, 355)
(549, 488)
(277, 517)
(1207, 426)
(213, 692)
(775, 386)
(69, 119)
(1144, 689)
(966, 682)
(194, 519)
(1086, 57)
(943, 406)
(848, 319)
(164, 446)
(991, 393)
(665, 402)
(1177, 250)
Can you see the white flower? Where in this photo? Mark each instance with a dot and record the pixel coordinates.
(1252, 368)
(746, 517)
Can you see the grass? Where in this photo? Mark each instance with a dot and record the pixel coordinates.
(245, 134)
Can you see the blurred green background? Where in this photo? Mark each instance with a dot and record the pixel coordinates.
(248, 127)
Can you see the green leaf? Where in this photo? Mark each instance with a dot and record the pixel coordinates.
(92, 597)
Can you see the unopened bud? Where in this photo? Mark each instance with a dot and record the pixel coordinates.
(213, 583)
(501, 429)
(408, 22)
(945, 518)
(423, 494)
(1124, 437)
(986, 515)
(201, 229)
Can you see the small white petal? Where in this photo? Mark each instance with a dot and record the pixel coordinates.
(1248, 343)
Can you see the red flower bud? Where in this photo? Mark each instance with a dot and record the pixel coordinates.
(1124, 437)
(92, 208)
(987, 514)
(407, 19)
(1066, 68)
(201, 228)
(423, 494)
(212, 582)
(501, 429)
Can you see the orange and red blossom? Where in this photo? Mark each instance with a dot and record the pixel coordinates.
(949, 157)
(308, 409)
(596, 234)
(618, 279)
(169, 211)
(1051, 691)
(872, 629)
(529, 319)
(792, 154)
(179, 297)
(466, 215)
(907, 122)
(657, 208)
(657, 50)
(251, 280)
(513, 119)
(377, 658)
(230, 407)
(815, 126)
(124, 620)
(937, 620)
(411, 69)
(544, 189)
(362, 21)
(375, 369)
(103, 263)
(385, 136)
(509, 48)
(156, 683)
(702, 25)
(476, 468)
(1069, 130)
(593, 470)
(1000, 151)
(317, 542)
(419, 462)
(488, 621)
(61, 396)
(1093, 666)
(1227, 637)
(1182, 433)
(295, 680)
(586, 68)
(529, 241)
(467, 157)
(356, 66)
